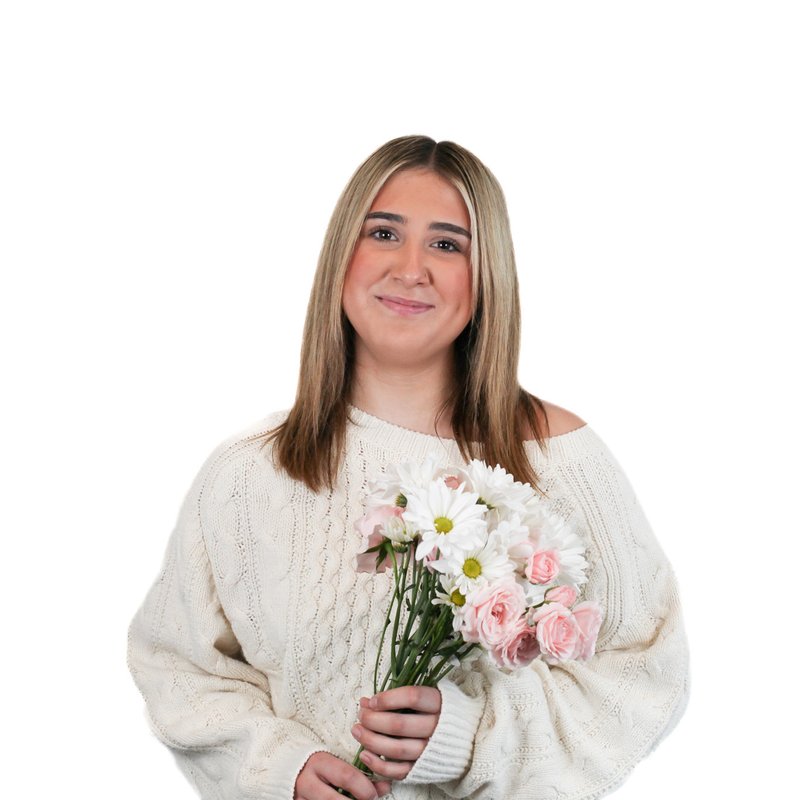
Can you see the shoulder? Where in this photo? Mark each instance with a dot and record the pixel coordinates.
(240, 451)
(600, 473)
(558, 420)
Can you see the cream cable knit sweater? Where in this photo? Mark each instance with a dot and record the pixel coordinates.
(258, 637)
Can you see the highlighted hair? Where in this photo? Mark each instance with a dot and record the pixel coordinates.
(491, 415)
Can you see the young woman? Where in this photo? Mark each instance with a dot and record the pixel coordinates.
(256, 645)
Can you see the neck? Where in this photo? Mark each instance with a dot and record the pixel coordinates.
(404, 395)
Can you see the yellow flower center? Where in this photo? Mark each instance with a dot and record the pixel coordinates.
(400, 501)
(443, 525)
(457, 598)
(472, 568)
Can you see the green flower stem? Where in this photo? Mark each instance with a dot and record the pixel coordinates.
(403, 642)
(429, 635)
(398, 593)
(415, 580)
(401, 678)
(436, 674)
(429, 607)
(424, 634)
(380, 650)
(395, 596)
(433, 681)
(425, 644)
(358, 763)
(438, 634)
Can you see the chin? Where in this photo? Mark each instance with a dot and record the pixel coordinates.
(410, 355)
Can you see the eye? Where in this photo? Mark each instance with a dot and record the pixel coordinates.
(448, 245)
(382, 234)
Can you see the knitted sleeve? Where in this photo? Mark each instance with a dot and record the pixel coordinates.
(576, 730)
(204, 701)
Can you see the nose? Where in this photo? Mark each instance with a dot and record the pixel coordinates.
(409, 266)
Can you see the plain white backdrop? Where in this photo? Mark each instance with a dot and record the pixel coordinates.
(167, 171)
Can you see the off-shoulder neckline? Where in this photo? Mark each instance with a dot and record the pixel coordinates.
(359, 416)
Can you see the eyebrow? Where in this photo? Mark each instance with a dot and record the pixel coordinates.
(434, 226)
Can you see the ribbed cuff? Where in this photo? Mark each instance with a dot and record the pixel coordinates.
(449, 751)
(288, 762)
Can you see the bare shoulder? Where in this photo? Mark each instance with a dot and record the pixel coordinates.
(561, 421)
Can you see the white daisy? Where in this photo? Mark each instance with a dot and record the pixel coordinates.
(474, 568)
(516, 540)
(449, 594)
(399, 479)
(498, 490)
(449, 519)
(561, 535)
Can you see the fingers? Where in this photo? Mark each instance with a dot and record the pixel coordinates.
(396, 770)
(323, 772)
(388, 746)
(392, 740)
(392, 723)
(427, 699)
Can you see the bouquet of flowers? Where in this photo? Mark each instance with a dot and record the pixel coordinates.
(480, 564)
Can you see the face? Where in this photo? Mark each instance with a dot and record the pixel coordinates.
(408, 288)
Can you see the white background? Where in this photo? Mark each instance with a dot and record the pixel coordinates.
(167, 172)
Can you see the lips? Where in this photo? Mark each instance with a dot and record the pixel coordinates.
(403, 305)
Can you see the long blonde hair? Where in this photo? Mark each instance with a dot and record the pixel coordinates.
(491, 413)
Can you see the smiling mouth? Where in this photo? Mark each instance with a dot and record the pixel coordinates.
(404, 306)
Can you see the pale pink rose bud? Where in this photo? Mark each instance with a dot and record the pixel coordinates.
(543, 566)
(491, 612)
(518, 649)
(370, 526)
(565, 595)
(589, 616)
(375, 517)
(367, 562)
(452, 482)
(557, 631)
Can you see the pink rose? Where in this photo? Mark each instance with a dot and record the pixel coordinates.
(491, 613)
(543, 566)
(557, 631)
(565, 595)
(369, 526)
(367, 562)
(518, 649)
(453, 482)
(589, 616)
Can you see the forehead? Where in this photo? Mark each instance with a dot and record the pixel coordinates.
(424, 195)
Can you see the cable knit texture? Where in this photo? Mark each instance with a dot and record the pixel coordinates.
(258, 637)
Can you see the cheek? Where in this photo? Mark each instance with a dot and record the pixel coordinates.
(352, 303)
(460, 290)
(354, 283)
(363, 270)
